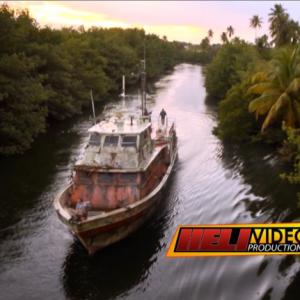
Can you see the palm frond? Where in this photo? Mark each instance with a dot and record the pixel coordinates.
(260, 88)
(259, 77)
(270, 118)
(294, 87)
(282, 102)
(262, 104)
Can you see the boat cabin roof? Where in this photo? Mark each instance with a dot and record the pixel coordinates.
(120, 126)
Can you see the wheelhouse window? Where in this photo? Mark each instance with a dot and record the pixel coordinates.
(95, 139)
(111, 141)
(84, 177)
(129, 141)
(106, 178)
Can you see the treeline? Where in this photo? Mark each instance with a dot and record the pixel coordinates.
(257, 87)
(46, 74)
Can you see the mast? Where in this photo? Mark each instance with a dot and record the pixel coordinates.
(123, 90)
(143, 82)
(93, 107)
(123, 86)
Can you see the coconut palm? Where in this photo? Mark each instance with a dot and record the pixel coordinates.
(224, 37)
(294, 31)
(210, 33)
(230, 31)
(262, 42)
(279, 23)
(204, 43)
(278, 90)
(255, 22)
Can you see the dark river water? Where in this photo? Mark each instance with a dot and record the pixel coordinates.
(212, 183)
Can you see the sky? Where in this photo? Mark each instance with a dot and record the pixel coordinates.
(186, 21)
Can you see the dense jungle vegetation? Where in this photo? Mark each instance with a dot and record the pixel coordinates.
(46, 74)
(257, 87)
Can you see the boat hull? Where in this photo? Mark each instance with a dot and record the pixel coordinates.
(107, 228)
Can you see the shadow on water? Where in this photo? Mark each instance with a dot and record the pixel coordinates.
(113, 270)
(26, 176)
(292, 291)
(259, 167)
(118, 268)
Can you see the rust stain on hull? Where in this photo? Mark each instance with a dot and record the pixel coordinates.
(111, 191)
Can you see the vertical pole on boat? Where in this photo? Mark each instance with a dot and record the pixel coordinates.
(123, 85)
(143, 79)
(123, 90)
(93, 107)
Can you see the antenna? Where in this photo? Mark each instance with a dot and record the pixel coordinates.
(93, 107)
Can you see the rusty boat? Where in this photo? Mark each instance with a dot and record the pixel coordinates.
(121, 175)
(123, 171)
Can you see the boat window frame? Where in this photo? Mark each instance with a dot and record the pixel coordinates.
(111, 145)
(129, 144)
(98, 136)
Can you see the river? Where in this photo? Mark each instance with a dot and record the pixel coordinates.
(213, 183)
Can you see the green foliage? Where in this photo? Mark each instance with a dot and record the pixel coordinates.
(46, 74)
(228, 67)
(23, 108)
(235, 122)
(202, 54)
(277, 90)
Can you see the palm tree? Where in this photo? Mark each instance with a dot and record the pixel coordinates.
(278, 90)
(294, 31)
(262, 42)
(230, 31)
(255, 22)
(224, 37)
(279, 23)
(204, 45)
(210, 33)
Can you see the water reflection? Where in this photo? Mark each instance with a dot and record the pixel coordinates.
(274, 199)
(292, 291)
(25, 177)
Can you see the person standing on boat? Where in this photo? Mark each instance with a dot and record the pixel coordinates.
(163, 116)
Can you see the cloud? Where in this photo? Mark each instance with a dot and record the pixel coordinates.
(179, 20)
(56, 14)
(189, 33)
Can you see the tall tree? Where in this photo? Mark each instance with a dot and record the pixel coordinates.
(277, 90)
(279, 22)
(224, 38)
(262, 42)
(228, 67)
(204, 45)
(230, 31)
(210, 34)
(255, 22)
(294, 31)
